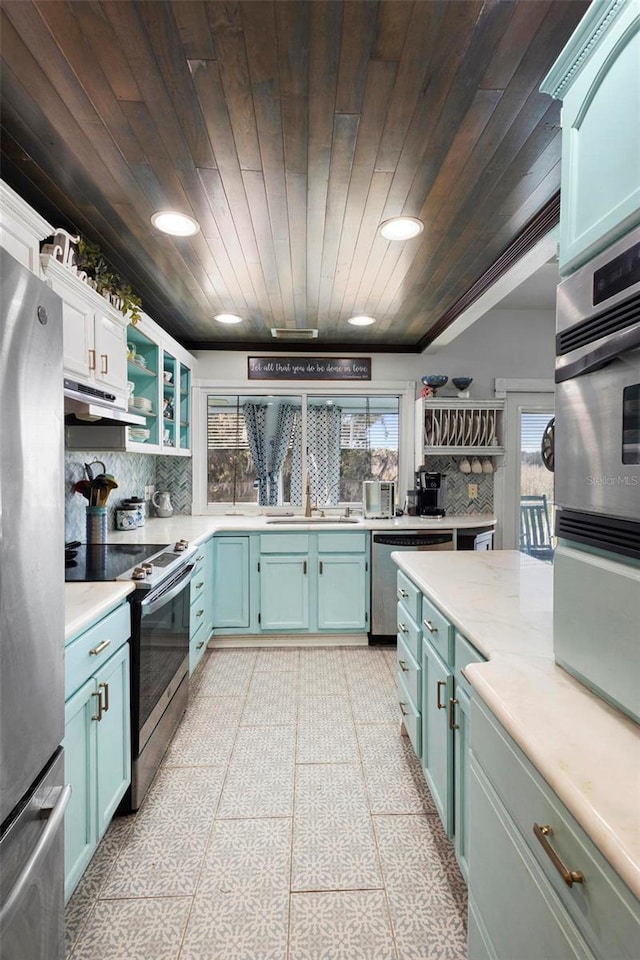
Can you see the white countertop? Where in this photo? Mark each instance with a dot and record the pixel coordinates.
(586, 750)
(84, 603)
(198, 528)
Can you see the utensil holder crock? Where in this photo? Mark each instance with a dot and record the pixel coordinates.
(96, 524)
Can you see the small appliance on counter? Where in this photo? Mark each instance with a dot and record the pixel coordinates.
(429, 494)
(378, 499)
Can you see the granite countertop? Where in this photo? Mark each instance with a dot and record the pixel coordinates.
(586, 750)
(84, 603)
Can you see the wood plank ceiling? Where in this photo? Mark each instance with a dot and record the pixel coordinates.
(289, 130)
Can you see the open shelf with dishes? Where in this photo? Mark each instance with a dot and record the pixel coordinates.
(458, 428)
(143, 358)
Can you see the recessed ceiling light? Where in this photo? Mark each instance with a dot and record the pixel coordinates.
(177, 224)
(361, 321)
(227, 318)
(401, 228)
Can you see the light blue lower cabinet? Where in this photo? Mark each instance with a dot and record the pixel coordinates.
(97, 759)
(520, 903)
(437, 737)
(342, 593)
(284, 592)
(230, 576)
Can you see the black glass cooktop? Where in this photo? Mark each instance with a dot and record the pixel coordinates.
(106, 561)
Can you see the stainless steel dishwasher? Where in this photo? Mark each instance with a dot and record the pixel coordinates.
(384, 572)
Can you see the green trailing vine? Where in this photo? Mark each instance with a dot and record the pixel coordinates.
(90, 259)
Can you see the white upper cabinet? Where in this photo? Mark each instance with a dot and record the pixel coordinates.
(21, 229)
(597, 77)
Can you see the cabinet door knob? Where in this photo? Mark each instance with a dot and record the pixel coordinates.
(440, 683)
(98, 694)
(569, 876)
(430, 627)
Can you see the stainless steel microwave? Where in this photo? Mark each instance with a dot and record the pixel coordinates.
(597, 430)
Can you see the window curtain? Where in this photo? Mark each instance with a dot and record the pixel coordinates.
(255, 418)
(323, 457)
(279, 446)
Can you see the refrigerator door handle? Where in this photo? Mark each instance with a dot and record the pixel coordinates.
(53, 815)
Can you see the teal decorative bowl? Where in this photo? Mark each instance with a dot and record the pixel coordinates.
(462, 383)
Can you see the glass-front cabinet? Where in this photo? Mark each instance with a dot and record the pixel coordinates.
(159, 385)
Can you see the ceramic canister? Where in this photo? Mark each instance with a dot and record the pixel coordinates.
(137, 504)
(126, 518)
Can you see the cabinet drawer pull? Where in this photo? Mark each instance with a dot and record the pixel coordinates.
(320, 568)
(403, 666)
(452, 714)
(430, 627)
(98, 694)
(402, 628)
(200, 585)
(105, 687)
(92, 359)
(405, 713)
(304, 566)
(101, 646)
(200, 645)
(201, 557)
(402, 593)
(569, 876)
(105, 365)
(199, 613)
(440, 683)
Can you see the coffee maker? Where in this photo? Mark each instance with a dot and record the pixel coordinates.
(429, 493)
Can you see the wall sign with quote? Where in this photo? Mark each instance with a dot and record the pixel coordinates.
(309, 368)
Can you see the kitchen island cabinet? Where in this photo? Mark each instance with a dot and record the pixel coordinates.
(543, 749)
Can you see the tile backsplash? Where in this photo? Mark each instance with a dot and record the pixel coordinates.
(133, 472)
(456, 498)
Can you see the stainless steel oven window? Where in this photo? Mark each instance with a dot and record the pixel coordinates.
(631, 425)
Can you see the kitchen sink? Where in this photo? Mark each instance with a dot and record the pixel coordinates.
(313, 520)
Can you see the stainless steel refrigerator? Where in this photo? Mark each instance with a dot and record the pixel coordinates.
(32, 790)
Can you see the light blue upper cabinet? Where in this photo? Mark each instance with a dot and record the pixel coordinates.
(230, 580)
(597, 77)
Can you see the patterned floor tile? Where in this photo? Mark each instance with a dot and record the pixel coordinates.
(326, 684)
(266, 792)
(326, 790)
(158, 860)
(319, 709)
(327, 743)
(215, 709)
(182, 795)
(200, 744)
(228, 673)
(252, 926)
(351, 925)
(367, 709)
(415, 852)
(244, 855)
(394, 778)
(269, 711)
(282, 659)
(428, 923)
(134, 930)
(279, 683)
(334, 853)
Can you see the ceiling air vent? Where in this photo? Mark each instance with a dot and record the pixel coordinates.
(284, 333)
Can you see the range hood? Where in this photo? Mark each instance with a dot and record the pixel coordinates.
(85, 405)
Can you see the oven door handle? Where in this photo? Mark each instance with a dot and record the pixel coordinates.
(601, 356)
(157, 601)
